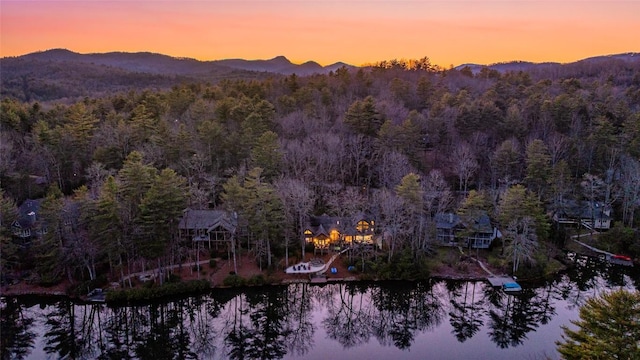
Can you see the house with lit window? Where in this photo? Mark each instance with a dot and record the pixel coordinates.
(334, 233)
(475, 232)
(213, 227)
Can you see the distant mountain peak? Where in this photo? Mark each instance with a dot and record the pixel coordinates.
(58, 51)
(311, 64)
(280, 59)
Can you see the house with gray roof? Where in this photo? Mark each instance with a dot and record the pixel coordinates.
(475, 232)
(29, 224)
(209, 226)
(587, 213)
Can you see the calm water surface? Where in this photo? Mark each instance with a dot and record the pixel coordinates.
(420, 320)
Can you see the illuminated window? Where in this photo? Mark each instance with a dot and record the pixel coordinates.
(362, 226)
(335, 235)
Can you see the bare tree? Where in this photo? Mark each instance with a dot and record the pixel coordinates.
(96, 174)
(436, 193)
(393, 167)
(558, 146)
(523, 241)
(464, 164)
(347, 201)
(297, 200)
(389, 208)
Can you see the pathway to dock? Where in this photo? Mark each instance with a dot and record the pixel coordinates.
(333, 258)
(594, 249)
(610, 257)
(493, 279)
(478, 261)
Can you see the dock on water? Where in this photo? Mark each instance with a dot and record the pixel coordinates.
(609, 257)
(499, 281)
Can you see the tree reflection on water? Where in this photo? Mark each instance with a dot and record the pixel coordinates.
(289, 321)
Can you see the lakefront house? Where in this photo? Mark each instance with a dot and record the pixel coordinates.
(29, 224)
(591, 214)
(213, 227)
(475, 232)
(333, 232)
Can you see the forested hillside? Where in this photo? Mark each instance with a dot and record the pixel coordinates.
(65, 76)
(398, 141)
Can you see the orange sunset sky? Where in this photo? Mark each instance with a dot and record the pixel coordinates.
(353, 31)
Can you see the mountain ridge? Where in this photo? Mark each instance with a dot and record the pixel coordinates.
(157, 63)
(63, 74)
(522, 65)
(161, 63)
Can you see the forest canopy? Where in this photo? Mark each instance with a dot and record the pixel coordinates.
(399, 137)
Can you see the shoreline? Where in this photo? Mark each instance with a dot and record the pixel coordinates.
(472, 272)
(16, 291)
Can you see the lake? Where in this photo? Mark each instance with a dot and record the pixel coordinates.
(377, 320)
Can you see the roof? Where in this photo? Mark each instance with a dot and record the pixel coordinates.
(481, 223)
(207, 219)
(325, 224)
(447, 221)
(584, 210)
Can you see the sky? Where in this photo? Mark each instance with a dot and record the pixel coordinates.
(353, 31)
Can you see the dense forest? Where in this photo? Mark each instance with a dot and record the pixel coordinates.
(400, 140)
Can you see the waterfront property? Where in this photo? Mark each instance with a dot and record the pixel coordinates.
(28, 224)
(214, 227)
(474, 231)
(384, 320)
(592, 215)
(332, 232)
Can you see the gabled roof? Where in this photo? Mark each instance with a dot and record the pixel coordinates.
(447, 221)
(207, 220)
(584, 210)
(325, 224)
(321, 231)
(480, 223)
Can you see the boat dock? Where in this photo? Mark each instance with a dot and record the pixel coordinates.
(498, 281)
(609, 257)
(97, 296)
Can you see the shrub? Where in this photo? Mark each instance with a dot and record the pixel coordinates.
(256, 280)
(213, 263)
(233, 281)
(168, 289)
